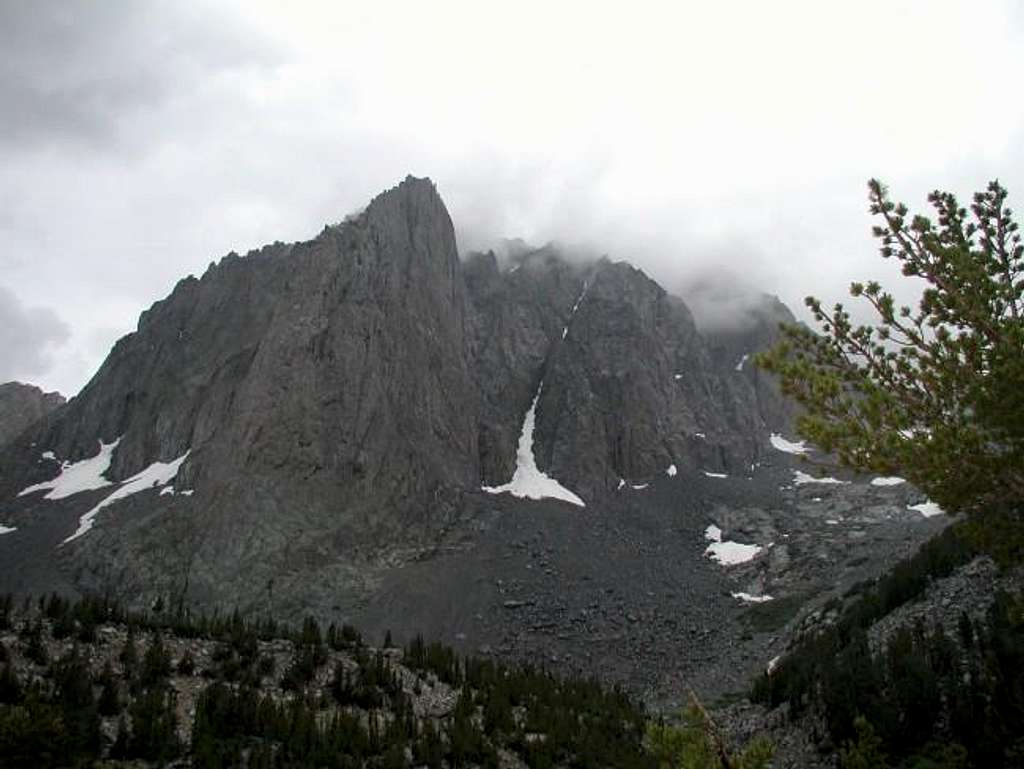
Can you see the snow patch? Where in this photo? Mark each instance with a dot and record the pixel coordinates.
(575, 307)
(787, 446)
(640, 486)
(78, 476)
(157, 474)
(710, 474)
(748, 598)
(677, 376)
(713, 534)
(7, 529)
(832, 522)
(672, 471)
(167, 490)
(49, 455)
(622, 482)
(187, 492)
(727, 553)
(528, 481)
(702, 436)
(580, 298)
(730, 553)
(772, 664)
(927, 509)
(892, 480)
(800, 478)
(739, 366)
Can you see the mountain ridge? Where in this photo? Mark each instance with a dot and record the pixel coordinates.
(334, 409)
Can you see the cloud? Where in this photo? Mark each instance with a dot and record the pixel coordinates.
(140, 141)
(28, 336)
(81, 71)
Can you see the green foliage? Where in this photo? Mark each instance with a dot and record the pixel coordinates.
(156, 663)
(771, 616)
(694, 745)
(187, 664)
(35, 647)
(10, 686)
(154, 735)
(109, 703)
(310, 654)
(32, 735)
(865, 750)
(935, 394)
(51, 717)
(129, 656)
(925, 699)
(73, 694)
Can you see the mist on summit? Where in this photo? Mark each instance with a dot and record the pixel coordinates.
(144, 142)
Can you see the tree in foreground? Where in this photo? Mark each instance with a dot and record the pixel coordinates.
(934, 394)
(698, 744)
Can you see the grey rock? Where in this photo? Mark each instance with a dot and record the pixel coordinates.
(21, 405)
(323, 391)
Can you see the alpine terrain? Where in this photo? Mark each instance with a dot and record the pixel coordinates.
(528, 457)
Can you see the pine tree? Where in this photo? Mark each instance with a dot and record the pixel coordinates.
(936, 393)
(154, 734)
(156, 663)
(109, 703)
(864, 752)
(10, 686)
(129, 655)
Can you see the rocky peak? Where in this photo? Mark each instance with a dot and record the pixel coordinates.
(21, 405)
(410, 220)
(349, 394)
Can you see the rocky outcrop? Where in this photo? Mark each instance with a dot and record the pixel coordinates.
(732, 349)
(517, 319)
(321, 390)
(335, 405)
(21, 405)
(631, 387)
(332, 408)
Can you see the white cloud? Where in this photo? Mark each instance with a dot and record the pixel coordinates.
(685, 137)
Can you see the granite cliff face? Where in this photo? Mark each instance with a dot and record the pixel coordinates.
(329, 408)
(315, 427)
(21, 405)
(628, 386)
(320, 390)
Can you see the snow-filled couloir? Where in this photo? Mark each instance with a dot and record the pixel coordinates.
(528, 481)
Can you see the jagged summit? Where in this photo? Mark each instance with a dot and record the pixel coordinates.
(334, 400)
(522, 457)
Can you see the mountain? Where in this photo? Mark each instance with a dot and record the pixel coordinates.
(525, 456)
(21, 405)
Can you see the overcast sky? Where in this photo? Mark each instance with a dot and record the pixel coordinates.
(141, 140)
